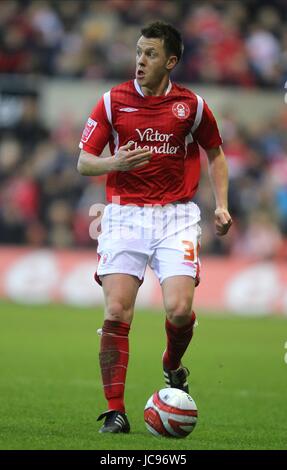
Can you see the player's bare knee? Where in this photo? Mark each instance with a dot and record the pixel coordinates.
(116, 311)
(179, 312)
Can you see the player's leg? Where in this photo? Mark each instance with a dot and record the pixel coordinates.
(123, 259)
(176, 263)
(120, 291)
(177, 296)
(121, 269)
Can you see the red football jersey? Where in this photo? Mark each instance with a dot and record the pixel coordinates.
(171, 126)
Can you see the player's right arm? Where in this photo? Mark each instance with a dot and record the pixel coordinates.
(97, 132)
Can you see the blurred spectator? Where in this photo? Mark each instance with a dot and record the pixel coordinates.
(29, 130)
(60, 218)
(264, 50)
(262, 238)
(10, 155)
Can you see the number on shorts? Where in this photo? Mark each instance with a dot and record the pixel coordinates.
(188, 250)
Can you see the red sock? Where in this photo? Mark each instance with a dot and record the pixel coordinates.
(178, 339)
(114, 357)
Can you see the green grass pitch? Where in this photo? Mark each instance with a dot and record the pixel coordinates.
(50, 389)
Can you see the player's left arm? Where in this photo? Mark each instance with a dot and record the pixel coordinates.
(208, 136)
(218, 173)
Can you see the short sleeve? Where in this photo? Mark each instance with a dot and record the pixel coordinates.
(207, 133)
(97, 130)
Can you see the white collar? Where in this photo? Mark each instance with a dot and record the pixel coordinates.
(139, 90)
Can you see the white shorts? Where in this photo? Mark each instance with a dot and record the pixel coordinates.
(167, 238)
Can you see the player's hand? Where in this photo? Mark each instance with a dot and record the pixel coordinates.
(126, 159)
(223, 221)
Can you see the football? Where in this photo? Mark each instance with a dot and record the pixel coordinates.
(170, 412)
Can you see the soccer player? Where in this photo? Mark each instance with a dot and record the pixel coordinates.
(154, 128)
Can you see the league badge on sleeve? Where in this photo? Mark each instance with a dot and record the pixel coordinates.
(89, 128)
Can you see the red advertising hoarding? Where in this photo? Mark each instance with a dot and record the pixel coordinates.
(227, 284)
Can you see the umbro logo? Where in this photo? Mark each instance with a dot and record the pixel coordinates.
(128, 110)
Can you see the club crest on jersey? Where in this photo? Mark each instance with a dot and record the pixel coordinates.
(89, 128)
(181, 110)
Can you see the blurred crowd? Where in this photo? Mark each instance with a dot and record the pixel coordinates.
(257, 161)
(226, 41)
(45, 202)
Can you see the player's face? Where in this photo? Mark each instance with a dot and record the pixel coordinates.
(152, 63)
